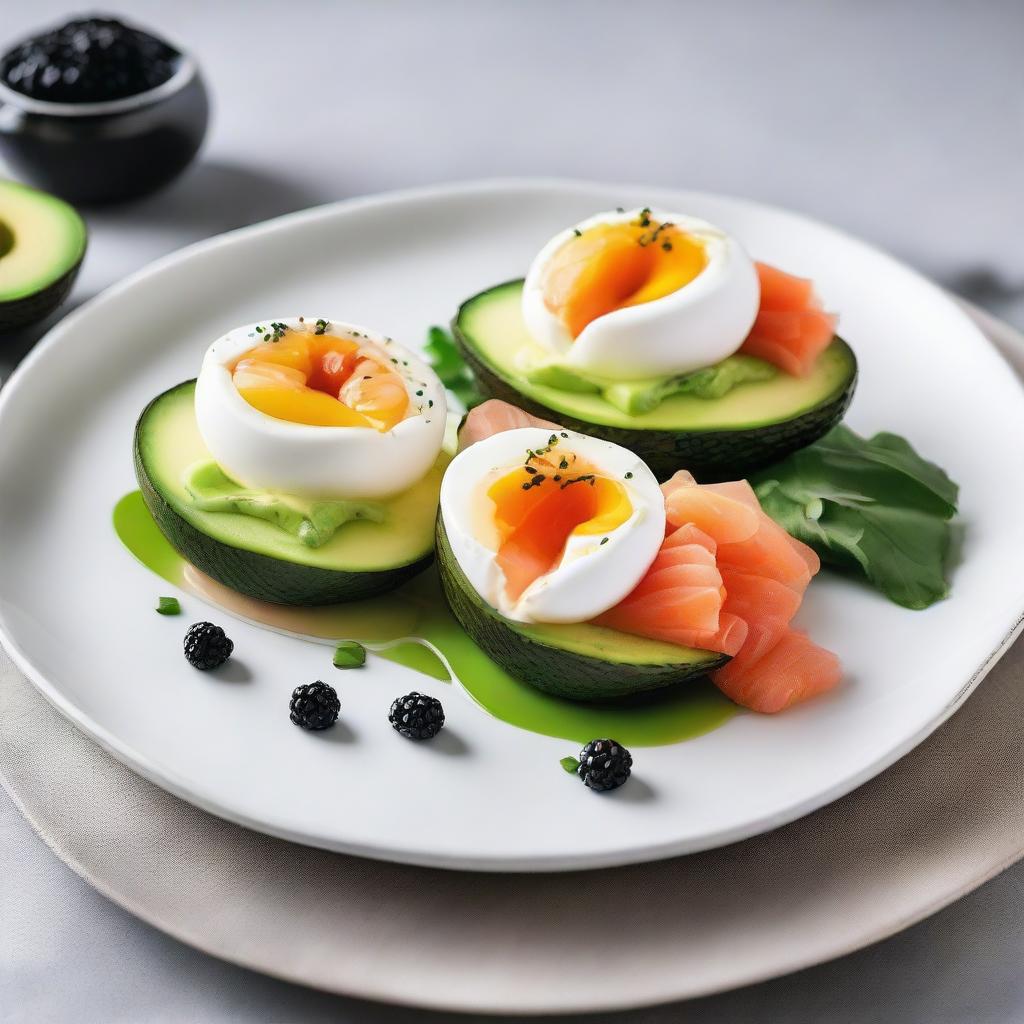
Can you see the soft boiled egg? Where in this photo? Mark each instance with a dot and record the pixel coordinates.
(641, 293)
(319, 409)
(551, 527)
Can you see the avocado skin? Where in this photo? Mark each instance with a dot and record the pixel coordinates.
(710, 455)
(255, 575)
(39, 305)
(563, 673)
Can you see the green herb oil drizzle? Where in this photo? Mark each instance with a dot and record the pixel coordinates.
(413, 627)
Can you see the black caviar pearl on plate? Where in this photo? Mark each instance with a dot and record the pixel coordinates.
(207, 646)
(417, 716)
(604, 764)
(98, 111)
(314, 705)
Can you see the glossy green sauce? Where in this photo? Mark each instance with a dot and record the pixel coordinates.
(413, 627)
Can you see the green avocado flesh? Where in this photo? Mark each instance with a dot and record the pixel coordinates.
(580, 661)
(42, 241)
(756, 418)
(635, 397)
(313, 522)
(268, 556)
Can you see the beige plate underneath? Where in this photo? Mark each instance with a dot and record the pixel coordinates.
(937, 824)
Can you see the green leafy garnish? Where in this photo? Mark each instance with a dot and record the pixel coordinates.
(570, 764)
(444, 356)
(168, 606)
(349, 654)
(870, 506)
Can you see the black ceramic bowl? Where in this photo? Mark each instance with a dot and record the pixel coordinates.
(108, 151)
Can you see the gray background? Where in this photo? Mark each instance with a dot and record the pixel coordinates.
(902, 122)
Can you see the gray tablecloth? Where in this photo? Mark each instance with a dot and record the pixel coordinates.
(902, 123)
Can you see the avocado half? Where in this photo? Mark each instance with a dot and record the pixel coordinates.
(725, 438)
(257, 558)
(42, 243)
(580, 661)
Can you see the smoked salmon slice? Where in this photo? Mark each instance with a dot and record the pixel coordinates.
(719, 515)
(791, 328)
(794, 669)
(764, 574)
(494, 417)
(680, 599)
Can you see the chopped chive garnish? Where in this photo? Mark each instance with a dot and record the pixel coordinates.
(629, 476)
(349, 654)
(321, 326)
(604, 540)
(587, 478)
(577, 232)
(168, 606)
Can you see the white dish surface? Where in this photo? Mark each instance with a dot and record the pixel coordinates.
(76, 610)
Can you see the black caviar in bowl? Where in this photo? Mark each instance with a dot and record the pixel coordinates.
(98, 111)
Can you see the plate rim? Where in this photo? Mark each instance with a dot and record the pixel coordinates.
(196, 939)
(167, 779)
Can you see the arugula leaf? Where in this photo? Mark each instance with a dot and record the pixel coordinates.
(871, 506)
(446, 359)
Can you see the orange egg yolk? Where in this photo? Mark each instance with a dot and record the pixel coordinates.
(611, 266)
(321, 380)
(540, 505)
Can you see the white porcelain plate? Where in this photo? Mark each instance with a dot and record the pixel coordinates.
(76, 610)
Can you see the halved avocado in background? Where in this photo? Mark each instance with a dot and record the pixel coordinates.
(42, 242)
(258, 558)
(754, 425)
(579, 661)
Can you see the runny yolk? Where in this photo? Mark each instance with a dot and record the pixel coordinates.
(611, 266)
(321, 380)
(535, 521)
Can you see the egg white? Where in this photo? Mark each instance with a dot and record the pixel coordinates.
(591, 577)
(695, 326)
(301, 459)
